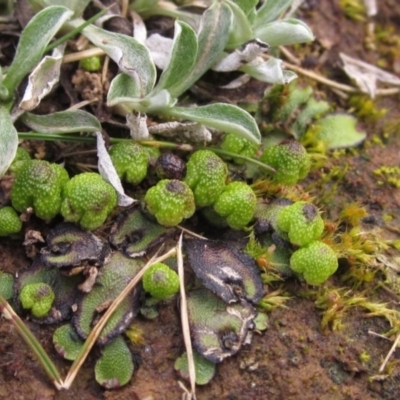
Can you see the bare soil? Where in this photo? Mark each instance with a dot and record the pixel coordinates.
(294, 358)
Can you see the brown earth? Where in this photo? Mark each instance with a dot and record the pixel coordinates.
(294, 358)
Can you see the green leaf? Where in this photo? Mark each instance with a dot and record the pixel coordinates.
(240, 31)
(133, 58)
(123, 89)
(271, 10)
(212, 38)
(226, 117)
(8, 141)
(115, 367)
(62, 122)
(182, 58)
(33, 42)
(284, 33)
(77, 6)
(247, 6)
(338, 131)
(141, 6)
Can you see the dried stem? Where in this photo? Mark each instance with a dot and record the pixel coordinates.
(391, 351)
(185, 321)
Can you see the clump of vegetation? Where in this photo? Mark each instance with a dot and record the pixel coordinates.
(206, 175)
(170, 201)
(88, 200)
(236, 204)
(38, 298)
(238, 145)
(130, 160)
(315, 261)
(161, 281)
(302, 222)
(290, 159)
(39, 184)
(286, 238)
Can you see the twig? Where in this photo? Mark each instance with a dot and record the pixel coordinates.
(378, 335)
(185, 321)
(191, 233)
(334, 84)
(80, 55)
(391, 351)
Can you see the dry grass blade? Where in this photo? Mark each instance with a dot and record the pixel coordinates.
(185, 321)
(94, 334)
(32, 342)
(391, 351)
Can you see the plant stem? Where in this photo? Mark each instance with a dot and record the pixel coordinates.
(32, 343)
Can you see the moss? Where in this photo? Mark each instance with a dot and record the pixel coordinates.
(237, 204)
(38, 298)
(206, 175)
(170, 201)
(88, 200)
(39, 184)
(316, 262)
(161, 281)
(130, 161)
(9, 221)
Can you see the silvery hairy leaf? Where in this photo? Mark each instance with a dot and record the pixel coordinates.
(213, 35)
(8, 140)
(181, 58)
(123, 89)
(42, 79)
(125, 97)
(284, 32)
(62, 122)
(241, 30)
(225, 117)
(270, 11)
(247, 6)
(108, 172)
(34, 40)
(139, 27)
